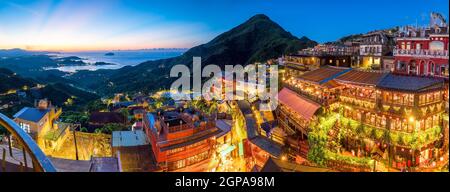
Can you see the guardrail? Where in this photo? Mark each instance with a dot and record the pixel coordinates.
(422, 53)
(40, 161)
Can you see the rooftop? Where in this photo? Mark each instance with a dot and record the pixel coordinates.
(410, 83)
(185, 141)
(267, 145)
(224, 125)
(299, 104)
(31, 114)
(129, 138)
(323, 75)
(360, 77)
(104, 164)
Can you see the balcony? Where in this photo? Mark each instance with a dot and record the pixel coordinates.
(441, 54)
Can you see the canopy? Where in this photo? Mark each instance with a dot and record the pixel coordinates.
(299, 104)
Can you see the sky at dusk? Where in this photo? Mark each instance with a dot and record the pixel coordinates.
(113, 24)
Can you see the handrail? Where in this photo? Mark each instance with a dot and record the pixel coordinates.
(40, 161)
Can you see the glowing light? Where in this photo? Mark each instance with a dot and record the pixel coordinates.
(411, 119)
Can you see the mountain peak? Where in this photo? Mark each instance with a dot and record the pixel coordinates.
(259, 16)
(256, 40)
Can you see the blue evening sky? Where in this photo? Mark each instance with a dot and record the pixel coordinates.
(115, 24)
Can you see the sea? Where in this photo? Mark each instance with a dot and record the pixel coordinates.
(121, 58)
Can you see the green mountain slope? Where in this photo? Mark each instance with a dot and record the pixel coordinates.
(10, 81)
(256, 40)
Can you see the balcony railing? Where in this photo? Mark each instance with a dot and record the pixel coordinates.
(422, 53)
(40, 160)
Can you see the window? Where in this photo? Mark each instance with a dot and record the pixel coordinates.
(401, 65)
(408, 45)
(429, 98)
(437, 96)
(418, 46)
(197, 144)
(422, 99)
(197, 158)
(436, 45)
(176, 150)
(403, 45)
(444, 71)
(25, 127)
(177, 164)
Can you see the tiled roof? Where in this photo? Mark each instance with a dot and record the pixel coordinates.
(331, 84)
(31, 114)
(302, 106)
(361, 77)
(409, 83)
(323, 75)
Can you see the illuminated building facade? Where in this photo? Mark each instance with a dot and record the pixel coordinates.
(181, 140)
(321, 55)
(397, 118)
(423, 51)
(374, 48)
(38, 121)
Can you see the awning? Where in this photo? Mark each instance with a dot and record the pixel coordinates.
(299, 104)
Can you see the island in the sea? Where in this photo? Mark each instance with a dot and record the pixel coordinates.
(76, 61)
(109, 54)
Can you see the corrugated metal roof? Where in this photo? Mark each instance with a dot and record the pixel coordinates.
(31, 114)
(301, 105)
(129, 138)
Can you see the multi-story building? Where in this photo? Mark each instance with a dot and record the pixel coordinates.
(321, 55)
(181, 140)
(302, 98)
(39, 120)
(423, 51)
(400, 118)
(374, 48)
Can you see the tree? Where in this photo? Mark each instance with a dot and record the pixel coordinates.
(75, 117)
(96, 105)
(84, 129)
(125, 112)
(111, 127)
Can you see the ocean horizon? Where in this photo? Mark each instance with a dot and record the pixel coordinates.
(121, 58)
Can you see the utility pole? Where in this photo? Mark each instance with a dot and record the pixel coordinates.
(24, 157)
(74, 130)
(10, 145)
